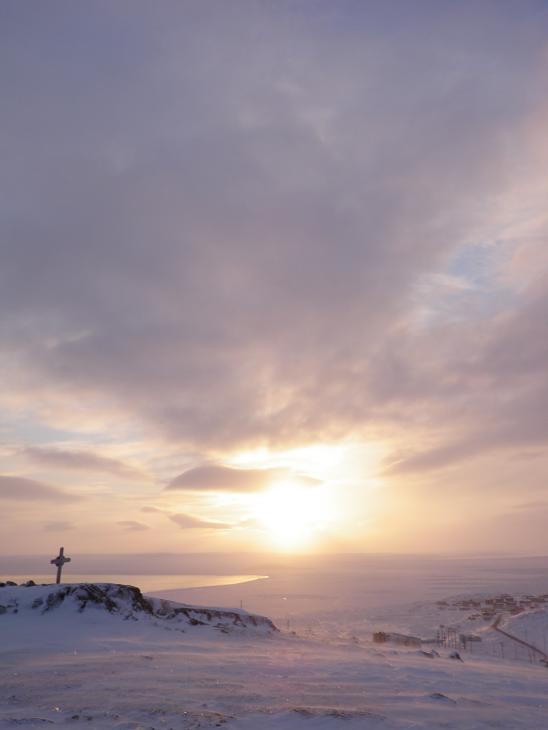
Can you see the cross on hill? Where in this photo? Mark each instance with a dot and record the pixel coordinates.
(59, 561)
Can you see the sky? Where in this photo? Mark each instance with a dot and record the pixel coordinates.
(274, 276)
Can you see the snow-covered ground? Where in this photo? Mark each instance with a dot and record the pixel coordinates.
(130, 667)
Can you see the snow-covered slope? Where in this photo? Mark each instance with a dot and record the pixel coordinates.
(67, 602)
(531, 626)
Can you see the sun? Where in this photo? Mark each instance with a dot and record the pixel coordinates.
(293, 514)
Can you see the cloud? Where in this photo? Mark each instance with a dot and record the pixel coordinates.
(58, 526)
(480, 390)
(217, 478)
(132, 525)
(273, 219)
(188, 522)
(81, 461)
(532, 506)
(437, 458)
(21, 488)
(152, 509)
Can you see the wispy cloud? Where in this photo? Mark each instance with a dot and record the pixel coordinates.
(540, 506)
(81, 461)
(21, 488)
(59, 526)
(133, 525)
(217, 478)
(188, 522)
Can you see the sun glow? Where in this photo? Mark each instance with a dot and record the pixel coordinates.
(340, 508)
(293, 515)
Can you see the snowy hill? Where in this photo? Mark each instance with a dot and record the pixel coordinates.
(120, 602)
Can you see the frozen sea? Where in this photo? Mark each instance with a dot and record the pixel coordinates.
(146, 582)
(301, 590)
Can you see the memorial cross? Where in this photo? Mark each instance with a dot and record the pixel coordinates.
(59, 561)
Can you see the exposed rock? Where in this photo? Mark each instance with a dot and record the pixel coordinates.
(440, 697)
